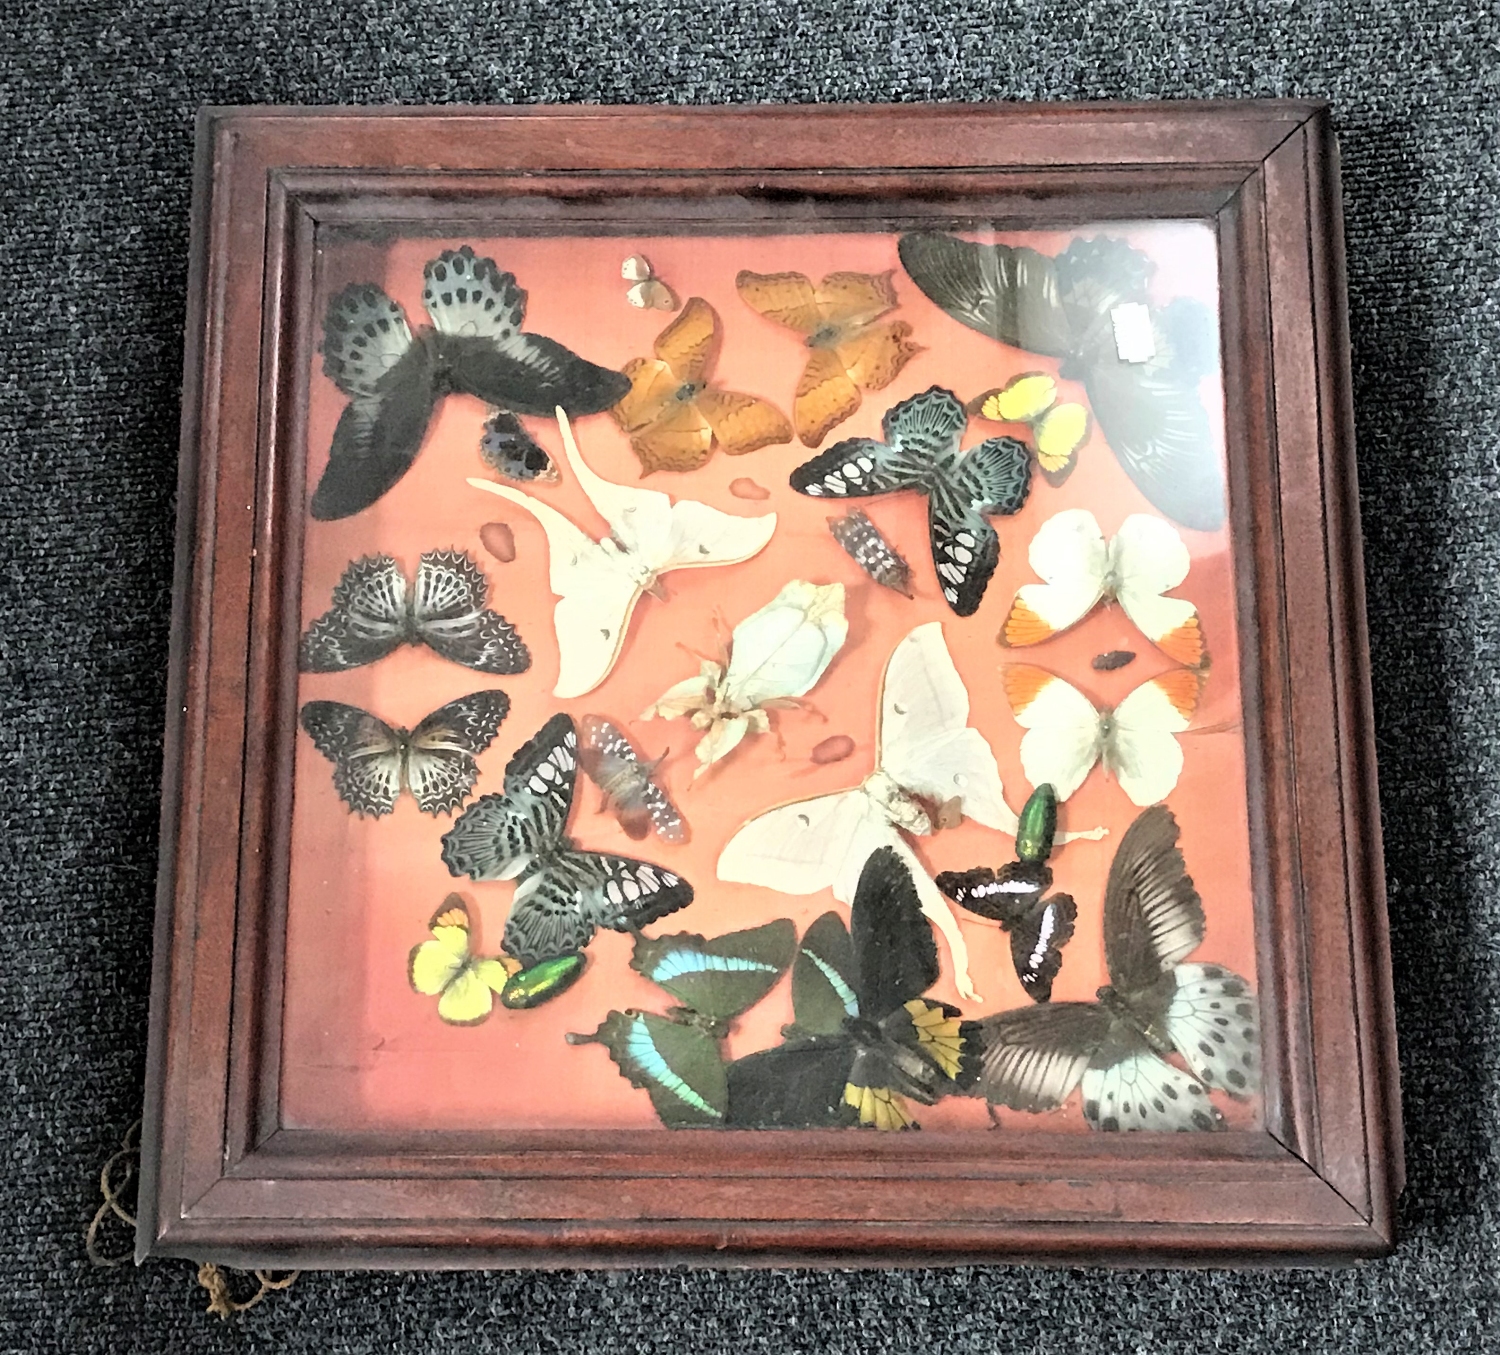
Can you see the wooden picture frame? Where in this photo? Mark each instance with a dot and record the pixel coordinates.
(223, 1179)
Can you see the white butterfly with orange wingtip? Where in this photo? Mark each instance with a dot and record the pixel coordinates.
(1144, 560)
(599, 582)
(1065, 735)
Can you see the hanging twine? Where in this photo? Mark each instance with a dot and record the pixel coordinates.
(118, 1177)
(222, 1302)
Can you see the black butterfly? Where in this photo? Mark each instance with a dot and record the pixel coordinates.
(612, 764)
(865, 1039)
(373, 760)
(963, 489)
(1068, 307)
(562, 893)
(1039, 926)
(374, 613)
(394, 378)
(1153, 1006)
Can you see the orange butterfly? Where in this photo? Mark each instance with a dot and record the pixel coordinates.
(850, 351)
(671, 413)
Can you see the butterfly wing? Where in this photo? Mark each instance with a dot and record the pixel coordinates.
(366, 754)
(789, 299)
(509, 450)
(1153, 917)
(1036, 943)
(1214, 1023)
(678, 1066)
(610, 761)
(1007, 896)
(1062, 740)
(719, 978)
(464, 984)
(1147, 559)
(449, 615)
(366, 622)
(1068, 552)
(742, 423)
(1141, 748)
(798, 1085)
(808, 845)
(1033, 1058)
(826, 395)
(823, 993)
(859, 468)
(440, 767)
(992, 478)
(895, 956)
(873, 357)
(1007, 292)
(666, 432)
(477, 311)
(1141, 1090)
(498, 836)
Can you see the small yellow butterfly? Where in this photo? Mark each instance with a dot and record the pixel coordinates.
(464, 984)
(1059, 429)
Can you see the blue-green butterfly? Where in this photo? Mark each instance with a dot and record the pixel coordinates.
(675, 1058)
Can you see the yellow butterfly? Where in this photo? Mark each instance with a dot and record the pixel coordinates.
(1059, 430)
(464, 984)
(674, 417)
(850, 352)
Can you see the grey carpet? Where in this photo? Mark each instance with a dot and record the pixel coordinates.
(97, 104)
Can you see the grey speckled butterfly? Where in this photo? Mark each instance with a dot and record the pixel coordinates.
(372, 760)
(374, 613)
(394, 378)
(1116, 1049)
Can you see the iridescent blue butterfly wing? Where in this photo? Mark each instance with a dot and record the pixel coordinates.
(678, 1066)
(719, 978)
(823, 993)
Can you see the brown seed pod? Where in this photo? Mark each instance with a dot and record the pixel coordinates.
(499, 540)
(745, 488)
(835, 748)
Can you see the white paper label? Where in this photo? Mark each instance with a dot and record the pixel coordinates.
(1134, 341)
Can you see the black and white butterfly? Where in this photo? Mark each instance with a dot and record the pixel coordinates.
(374, 613)
(394, 378)
(627, 783)
(562, 894)
(1088, 306)
(1116, 1049)
(435, 761)
(1016, 897)
(964, 489)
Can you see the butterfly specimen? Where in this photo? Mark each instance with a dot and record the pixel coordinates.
(675, 1058)
(435, 761)
(1116, 1048)
(562, 894)
(849, 351)
(1057, 430)
(1013, 896)
(674, 417)
(374, 613)
(611, 763)
(777, 655)
(963, 489)
(394, 378)
(1142, 561)
(646, 290)
(446, 968)
(1086, 307)
(1136, 740)
(927, 755)
(598, 582)
(862, 540)
(865, 1040)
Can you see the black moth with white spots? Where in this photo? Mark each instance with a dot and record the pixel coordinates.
(562, 894)
(964, 489)
(1115, 1050)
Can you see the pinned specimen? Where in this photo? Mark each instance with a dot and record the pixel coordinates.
(627, 783)
(862, 540)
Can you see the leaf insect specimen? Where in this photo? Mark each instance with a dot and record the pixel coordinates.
(921, 452)
(446, 968)
(777, 656)
(864, 544)
(1065, 735)
(865, 1040)
(597, 583)
(675, 1058)
(372, 760)
(374, 613)
(1140, 366)
(1116, 1048)
(674, 417)
(1015, 896)
(852, 348)
(1142, 561)
(394, 378)
(562, 893)
(628, 786)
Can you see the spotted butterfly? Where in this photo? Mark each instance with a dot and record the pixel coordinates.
(627, 784)
(562, 894)
(374, 613)
(964, 489)
(1115, 1049)
(435, 760)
